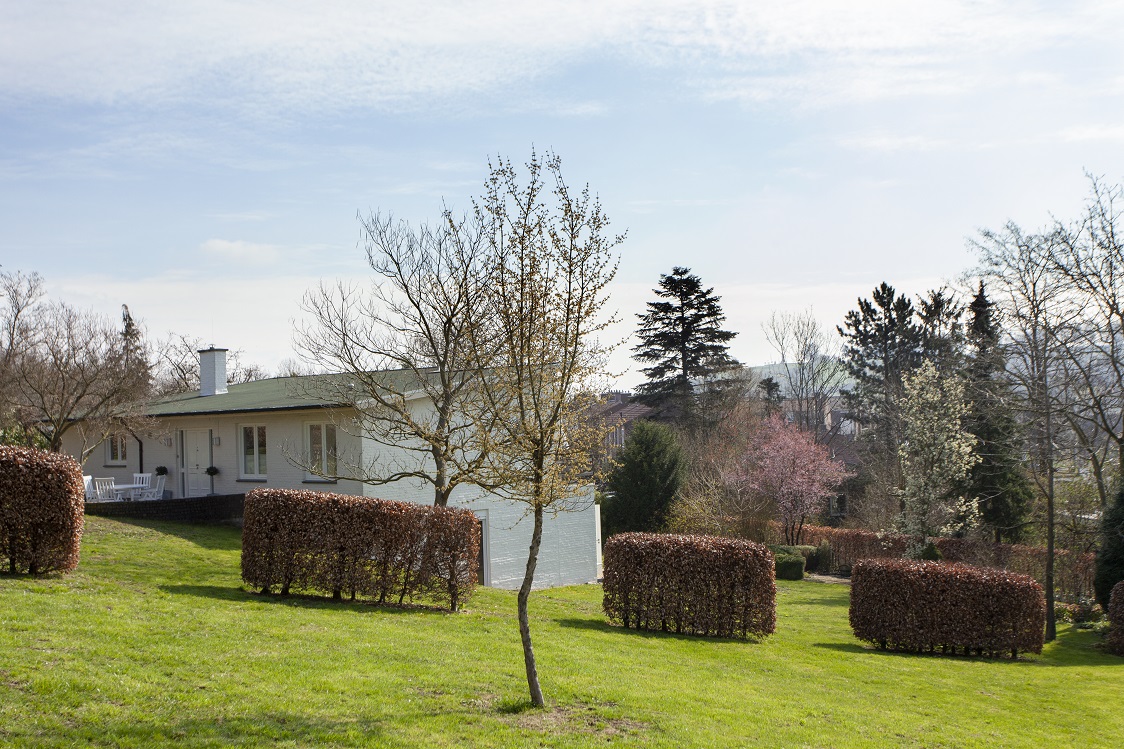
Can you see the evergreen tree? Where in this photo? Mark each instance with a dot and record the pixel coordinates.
(941, 331)
(682, 339)
(997, 481)
(882, 342)
(646, 480)
(771, 395)
(1110, 556)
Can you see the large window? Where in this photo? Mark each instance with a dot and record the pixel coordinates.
(115, 451)
(253, 451)
(322, 449)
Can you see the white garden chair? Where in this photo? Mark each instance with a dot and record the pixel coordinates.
(154, 491)
(105, 491)
(144, 479)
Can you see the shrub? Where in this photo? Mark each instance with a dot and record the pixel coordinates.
(789, 567)
(41, 510)
(646, 478)
(701, 585)
(1116, 620)
(821, 560)
(919, 606)
(1110, 555)
(340, 543)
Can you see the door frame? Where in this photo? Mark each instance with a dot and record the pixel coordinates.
(183, 457)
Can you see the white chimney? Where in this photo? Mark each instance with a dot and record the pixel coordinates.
(212, 371)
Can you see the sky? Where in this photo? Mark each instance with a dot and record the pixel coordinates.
(205, 162)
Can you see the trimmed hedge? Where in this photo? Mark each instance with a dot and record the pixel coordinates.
(919, 606)
(789, 567)
(1073, 573)
(337, 543)
(1115, 641)
(700, 585)
(42, 501)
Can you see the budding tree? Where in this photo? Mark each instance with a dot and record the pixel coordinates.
(548, 263)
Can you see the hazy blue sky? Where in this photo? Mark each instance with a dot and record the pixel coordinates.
(204, 161)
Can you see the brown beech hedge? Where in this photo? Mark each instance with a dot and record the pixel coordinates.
(42, 504)
(699, 585)
(923, 606)
(337, 543)
(1073, 573)
(1116, 620)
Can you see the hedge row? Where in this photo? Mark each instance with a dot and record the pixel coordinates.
(701, 585)
(917, 606)
(357, 545)
(1073, 573)
(42, 502)
(1116, 620)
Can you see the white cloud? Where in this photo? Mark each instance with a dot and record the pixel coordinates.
(240, 252)
(278, 56)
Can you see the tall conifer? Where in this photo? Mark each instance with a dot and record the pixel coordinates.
(682, 339)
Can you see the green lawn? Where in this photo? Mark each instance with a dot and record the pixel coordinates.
(153, 640)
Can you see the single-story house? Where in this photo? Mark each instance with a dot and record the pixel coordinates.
(257, 434)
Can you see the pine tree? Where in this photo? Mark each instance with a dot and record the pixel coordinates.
(997, 481)
(1110, 556)
(882, 343)
(683, 341)
(645, 481)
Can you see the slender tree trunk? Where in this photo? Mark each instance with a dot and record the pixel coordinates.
(524, 621)
(1051, 623)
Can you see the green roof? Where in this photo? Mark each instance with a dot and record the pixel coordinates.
(274, 394)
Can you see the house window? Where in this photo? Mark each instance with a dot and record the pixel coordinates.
(253, 451)
(115, 451)
(322, 449)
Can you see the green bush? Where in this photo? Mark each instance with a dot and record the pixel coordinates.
(645, 480)
(820, 561)
(1110, 556)
(789, 567)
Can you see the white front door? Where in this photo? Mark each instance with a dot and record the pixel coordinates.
(196, 460)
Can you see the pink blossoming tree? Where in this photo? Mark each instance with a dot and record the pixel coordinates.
(786, 466)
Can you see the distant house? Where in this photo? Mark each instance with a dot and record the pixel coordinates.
(260, 434)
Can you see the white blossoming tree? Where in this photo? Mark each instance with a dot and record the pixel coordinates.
(936, 456)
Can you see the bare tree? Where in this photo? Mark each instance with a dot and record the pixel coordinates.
(1088, 259)
(177, 365)
(20, 293)
(1030, 296)
(404, 351)
(549, 263)
(81, 373)
(813, 370)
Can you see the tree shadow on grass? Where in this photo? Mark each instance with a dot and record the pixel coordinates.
(600, 625)
(217, 537)
(299, 600)
(269, 729)
(1073, 655)
(824, 601)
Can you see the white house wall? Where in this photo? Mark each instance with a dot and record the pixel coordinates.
(284, 435)
(571, 544)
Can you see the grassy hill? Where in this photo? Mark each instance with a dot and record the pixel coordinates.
(153, 641)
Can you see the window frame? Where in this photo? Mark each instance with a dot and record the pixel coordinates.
(116, 443)
(328, 476)
(259, 431)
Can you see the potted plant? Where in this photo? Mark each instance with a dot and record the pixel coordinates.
(212, 471)
(160, 470)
